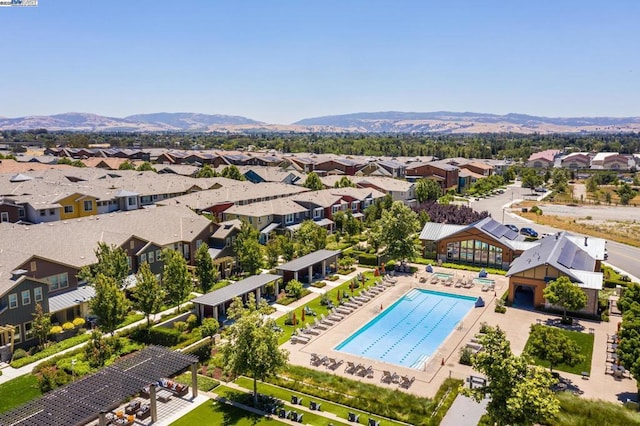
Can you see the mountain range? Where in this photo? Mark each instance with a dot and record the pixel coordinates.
(365, 122)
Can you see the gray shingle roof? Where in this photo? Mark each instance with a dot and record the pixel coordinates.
(227, 293)
(308, 260)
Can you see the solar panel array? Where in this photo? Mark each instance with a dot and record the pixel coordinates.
(498, 230)
(81, 401)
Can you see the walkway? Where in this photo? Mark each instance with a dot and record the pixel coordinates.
(464, 411)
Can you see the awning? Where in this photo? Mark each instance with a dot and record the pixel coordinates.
(71, 298)
(358, 215)
(270, 227)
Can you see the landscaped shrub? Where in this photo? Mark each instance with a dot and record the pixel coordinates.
(484, 327)
(332, 278)
(19, 354)
(465, 356)
(501, 309)
(68, 326)
(201, 350)
(55, 329)
(537, 210)
(192, 322)
(51, 350)
(368, 259)
(156, 335)
(318, 284)
(181, 326)
(78, 322)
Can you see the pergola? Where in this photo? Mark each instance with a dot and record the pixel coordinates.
(317, 260)
(215, 302)
(7, 333)
(86, 399)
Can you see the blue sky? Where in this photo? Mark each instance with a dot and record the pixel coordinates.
(283, 60)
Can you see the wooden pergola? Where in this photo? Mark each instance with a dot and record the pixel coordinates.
(7, 333)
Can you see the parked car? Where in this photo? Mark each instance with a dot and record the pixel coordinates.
(529, 232)
(513, 228)
(541, 189)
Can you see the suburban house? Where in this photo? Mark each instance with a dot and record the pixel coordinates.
(562, 254)
(306, 164)
(611, 161)
(466, 178)
(10, 211)
(266, 216)
(543, 159)
(338, 166)
(260, 174)
(400, 190)
(221, 246)
(477, 167)
(483, 243)
(446, 174)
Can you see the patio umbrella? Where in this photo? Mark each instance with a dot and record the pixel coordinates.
(295, 321)
(302, 316)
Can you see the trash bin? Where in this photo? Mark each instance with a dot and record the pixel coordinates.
(524, 210)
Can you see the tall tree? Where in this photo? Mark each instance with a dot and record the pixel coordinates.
(309, 237)
(111, 261)
(313, 182)
(232, 172)
(520, 393)
(109, 304)
(126, 165)
(629, 334)
(549, 344)
(344, 182)
(562, 292)
(427, 189)
(287, 247)
(397, 228)
(148, 294)
(248, 249)
(209, 327)
(272, 250)
(41, 325)
(205, 270)
(252, 346)
(146, 167)
(175, 276)
(206, 172)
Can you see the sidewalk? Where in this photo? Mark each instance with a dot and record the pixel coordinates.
(10, 373)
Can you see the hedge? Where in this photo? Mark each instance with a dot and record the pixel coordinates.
(368, 259)
(202, 350)
(51, 350)
(156, 335)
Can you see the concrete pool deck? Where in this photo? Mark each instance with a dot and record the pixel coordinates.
(515, 323)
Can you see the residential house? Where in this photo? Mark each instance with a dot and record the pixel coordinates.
(611, 161)
(543, 159)
(267, 216)
(306, 164)
(340, 166)
(562, 254)
(478, 168)
(444, 173)
(10, 211)
(400, 190)
(576, 161)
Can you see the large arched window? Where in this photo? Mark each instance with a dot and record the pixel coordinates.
(474, 252)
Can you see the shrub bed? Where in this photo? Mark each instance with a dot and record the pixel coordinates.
(332, 278)
(318, 284)
(287, 300)
(51, 350)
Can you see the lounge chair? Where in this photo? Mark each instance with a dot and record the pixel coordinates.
(386, 377)
(353, 417)
(343, 311)
(302, 339)
(309, 311)
(362, 299)
(448, 282)
(296, 400)
(284, 414)
(395, 378)
(351, 305)
(485, 288)
(296, 417)
(350, 368)
(373, 422)
(469, 284)
(355, 301)
(434, 280)
(314, 358)
(315, 406)
(335, 317)
(334, 364)
(476, 347)
(325, 321)
(308, 330)
(406, 382)
(459, 283)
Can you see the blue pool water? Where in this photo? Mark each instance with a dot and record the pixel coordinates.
(408, 332)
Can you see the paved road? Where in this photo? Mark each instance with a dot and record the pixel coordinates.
(621, 256)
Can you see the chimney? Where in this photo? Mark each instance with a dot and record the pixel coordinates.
(585, 241)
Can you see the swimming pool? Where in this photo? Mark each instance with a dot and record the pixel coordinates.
(408, 332)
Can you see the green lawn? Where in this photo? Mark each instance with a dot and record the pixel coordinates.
(204, 383)
(17, 391)
(309, 418)
(216, 413)
(576, 411)
(585, 341)
(318, 308)
(285, 395)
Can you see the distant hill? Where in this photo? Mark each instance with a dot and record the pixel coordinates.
(469, 122)
(364, 122)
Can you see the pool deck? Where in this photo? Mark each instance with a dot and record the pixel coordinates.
(444, 363)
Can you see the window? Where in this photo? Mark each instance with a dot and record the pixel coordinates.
(68, 209)
(317, 213)
(43, 212)
(151, 257)
(143, 258)
(28, 331)
(198, 243)
(37, 294)
(4, 217)
(21, 213)
(132, 244)
(52, 212)
(33, 265)
(227, 242)
(354, 205)
(145, 199)
(155, 197)
(17, 337)
(159, 255)
(13, 301)
(129, 261)
(289, 218)
(26, 297)
(58, 281)
(131, 201)
(88, 206)
(334, 209)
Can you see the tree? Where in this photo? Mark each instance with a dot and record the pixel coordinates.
(272, 249)
(309, 237)
(629, 333)
(252, 347)
(205, 270)
(97, 351)
(549, 344)
(295, 288)
(626, 194)
(109, 304)
(313, 182)
(209, 327)
(345, 223)
(148, 295)
(287, 247)
(607, 197)
(111, 261)
(41, 325)
(176, 276)
(519, 393)
(207, 172)
(591, 184)
(232, 172)
(427, 189)
(560, 179)
(344, 182)
(248, 249)
(126, 165)
(146, 167)
(562, 292)
(397, 226)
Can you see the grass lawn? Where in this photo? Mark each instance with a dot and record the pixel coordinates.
(309, 418)
(285, 395)
(216, 413)
(318, 308)
(576, 411)
(18, 391)
(585, 341)
(204, 383)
